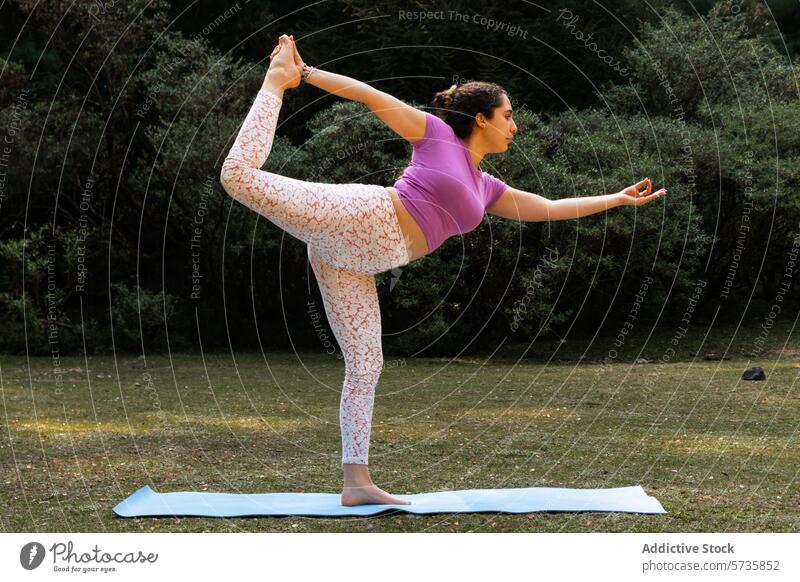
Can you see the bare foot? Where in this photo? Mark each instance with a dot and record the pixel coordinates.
(369, 494)
(283, 73)
(298, 61)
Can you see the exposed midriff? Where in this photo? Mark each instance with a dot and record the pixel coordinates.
(412, 233)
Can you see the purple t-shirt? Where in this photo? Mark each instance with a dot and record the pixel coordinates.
(441, 188)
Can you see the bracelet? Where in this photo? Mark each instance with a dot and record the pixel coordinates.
(306, 72)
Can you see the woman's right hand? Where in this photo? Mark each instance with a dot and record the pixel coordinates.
(635, 196)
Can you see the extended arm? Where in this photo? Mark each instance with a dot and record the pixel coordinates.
(571, 208)
(340, 85)
(524, 206)
(407, 121)
(527, 207)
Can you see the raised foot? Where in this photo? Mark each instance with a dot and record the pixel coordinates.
(283, 71)
(369, 494)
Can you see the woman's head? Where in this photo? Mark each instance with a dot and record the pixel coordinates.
(478, 106)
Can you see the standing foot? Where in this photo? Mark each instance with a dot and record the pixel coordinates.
(369, 494)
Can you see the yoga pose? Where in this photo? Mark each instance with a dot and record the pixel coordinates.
(355, 231)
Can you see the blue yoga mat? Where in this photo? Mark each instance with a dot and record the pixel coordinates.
(146, 502)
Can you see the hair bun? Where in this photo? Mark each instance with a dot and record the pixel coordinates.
(460, 103)
(444, 99)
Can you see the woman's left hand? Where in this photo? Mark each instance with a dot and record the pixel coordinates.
(640, 193)
(297, 60)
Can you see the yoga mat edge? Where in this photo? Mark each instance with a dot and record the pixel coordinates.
(145, 502)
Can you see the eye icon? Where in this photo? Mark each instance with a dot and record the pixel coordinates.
(31, 555)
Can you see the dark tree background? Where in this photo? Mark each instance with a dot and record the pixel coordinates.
(115, 118)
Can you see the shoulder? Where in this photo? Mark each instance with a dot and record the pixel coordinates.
(436, 129)
(493, 188)
(493, 180)
(439, 125)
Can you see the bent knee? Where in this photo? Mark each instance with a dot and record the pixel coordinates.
(231, 175)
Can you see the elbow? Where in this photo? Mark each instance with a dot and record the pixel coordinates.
(557, 210)
(370, 96)
(542, 210)
(551, 211)
(529, 207)
(223, 178)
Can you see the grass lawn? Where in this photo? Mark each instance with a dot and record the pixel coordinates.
(719, 453)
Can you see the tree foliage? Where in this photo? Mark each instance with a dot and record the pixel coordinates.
(117, 234)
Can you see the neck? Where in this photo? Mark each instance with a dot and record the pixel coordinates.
(476, 151)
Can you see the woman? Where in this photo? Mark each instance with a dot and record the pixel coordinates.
(355, 231)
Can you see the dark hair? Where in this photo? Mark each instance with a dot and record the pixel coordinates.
(459, 104)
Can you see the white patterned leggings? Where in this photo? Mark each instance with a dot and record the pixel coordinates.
(352, 233)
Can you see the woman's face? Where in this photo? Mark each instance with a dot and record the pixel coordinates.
(500, 129)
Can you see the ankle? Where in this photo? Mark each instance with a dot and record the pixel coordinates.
(357, 488)
(274, 85)
(356, 476)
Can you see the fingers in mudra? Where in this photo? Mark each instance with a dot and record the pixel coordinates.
(640, 201)
(646, 184)
(642, 192)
